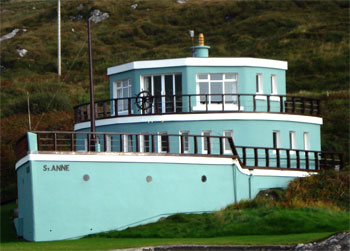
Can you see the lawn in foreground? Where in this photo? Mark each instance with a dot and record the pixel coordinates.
(99, 243)
(9, 241)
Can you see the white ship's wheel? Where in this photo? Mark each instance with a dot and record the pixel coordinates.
(144, 100)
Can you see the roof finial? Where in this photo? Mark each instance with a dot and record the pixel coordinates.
(201, 39)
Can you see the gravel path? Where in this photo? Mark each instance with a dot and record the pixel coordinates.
(337, 242)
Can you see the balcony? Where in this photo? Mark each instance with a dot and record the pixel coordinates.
(181, 145)
(197, 103)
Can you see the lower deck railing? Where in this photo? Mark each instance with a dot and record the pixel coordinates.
(183, 144)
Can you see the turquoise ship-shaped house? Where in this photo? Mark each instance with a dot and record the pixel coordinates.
(184, 135)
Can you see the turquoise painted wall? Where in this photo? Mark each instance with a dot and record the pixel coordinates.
(246, 132)
(63, 205)
(246, 81)
(25, 221)
(246, 78)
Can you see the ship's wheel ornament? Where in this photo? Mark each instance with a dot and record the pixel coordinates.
(144, 100)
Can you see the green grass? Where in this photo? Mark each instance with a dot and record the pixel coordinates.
(9, 241)
(97, 243)
(256, 221)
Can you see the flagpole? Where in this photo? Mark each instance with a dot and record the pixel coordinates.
(59, 37)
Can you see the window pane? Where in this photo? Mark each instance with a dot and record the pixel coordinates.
(125, 83)
(203, 89)
(257, 83)
(147, 84)
(230, 76)
(202, 76)
(125, 92)
(178, 91)
(216, 76)
(164, 143)
(146, 147)
(185, 141)
(157, 85)
(216, 88)
(227, 144)
(230, 88)
(130, 149)
(205, 140)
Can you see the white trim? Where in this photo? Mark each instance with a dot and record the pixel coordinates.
(259, 84)
(260, 97)
(274, 86)
(231, 135)
(231, 62)
(204, 141)
(279, 173)
(200, 117)
(278, 139)
(306, 141)
(160, 143)
(122, 157)
(186, 132)
(130, 157)
(292, 140)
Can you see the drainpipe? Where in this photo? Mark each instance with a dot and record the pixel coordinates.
(250, 186)
(234, 183)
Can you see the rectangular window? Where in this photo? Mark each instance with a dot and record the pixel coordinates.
(306, 141)
(276, 139)
(145, 143)
(259, 83)
(214, 85)
(128, 143)
(185, 141)
(163, 142)
(292, 140)
(227, 147)
(166, 89)
(108, 143)
(273, 84)
(122, 91)
(205, 141)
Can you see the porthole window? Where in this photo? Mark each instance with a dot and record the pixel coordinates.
(149, 179)
(86, 177)
(204, 178)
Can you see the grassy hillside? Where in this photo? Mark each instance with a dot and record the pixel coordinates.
(313, 36)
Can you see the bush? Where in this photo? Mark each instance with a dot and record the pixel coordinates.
(39, 103)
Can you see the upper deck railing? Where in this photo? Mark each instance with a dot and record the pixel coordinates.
(183, 145)
(198, 103)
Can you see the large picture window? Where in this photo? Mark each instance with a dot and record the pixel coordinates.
(214, 85)
(164, 87)
(122, 89)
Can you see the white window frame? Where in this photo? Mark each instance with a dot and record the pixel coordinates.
(306, 141)
(115, 94)
(259, 83)
(142, 143)
(160, 143)
(186, 138)
(278, 138)
(126, 144)
(227, 147)
(292, 140)
(108, 143)
(216, 106)
(274, 90)
(85, 145)
(204, 151)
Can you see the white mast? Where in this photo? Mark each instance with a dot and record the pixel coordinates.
(59, 37)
